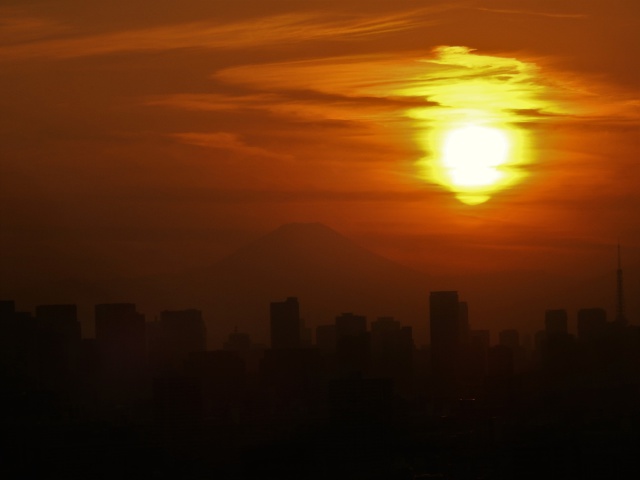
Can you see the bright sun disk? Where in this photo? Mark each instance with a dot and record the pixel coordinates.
(476, 161)
(472, 155)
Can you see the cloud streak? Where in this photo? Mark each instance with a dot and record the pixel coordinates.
(17, 27)
(251, 33)
(533, 13)
(226, 141)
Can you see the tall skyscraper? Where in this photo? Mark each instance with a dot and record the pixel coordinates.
(463, 312)
(391, 349)
(446, 330)
(353, 344)
(620, 313)
(285, 324)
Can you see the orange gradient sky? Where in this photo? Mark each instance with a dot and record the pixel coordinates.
(145, 136)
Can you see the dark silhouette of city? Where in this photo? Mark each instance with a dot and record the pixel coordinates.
(352, 398)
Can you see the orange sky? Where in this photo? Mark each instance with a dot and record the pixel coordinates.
(143, 136)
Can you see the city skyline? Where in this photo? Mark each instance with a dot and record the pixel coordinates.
(332, 274)
(362, 400)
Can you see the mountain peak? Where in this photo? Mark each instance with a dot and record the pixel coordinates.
(310, 249)
(304, 228)
(305, 234)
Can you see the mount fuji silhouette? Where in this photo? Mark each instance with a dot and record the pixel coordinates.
(328, 272)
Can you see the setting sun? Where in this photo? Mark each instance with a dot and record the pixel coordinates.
(472, 155)
(475, 161)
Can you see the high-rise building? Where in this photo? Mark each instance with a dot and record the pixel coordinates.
(621, 318)
(463, 312)
(445, 329)
(353, 344)
(556, 350)
(391, 349)
(285, 324)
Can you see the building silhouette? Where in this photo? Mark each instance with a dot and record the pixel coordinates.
(392, 349)
(285, 324)
(556, 347)
(446, 331)
(621, 318)
(353, 344)
(359, 405)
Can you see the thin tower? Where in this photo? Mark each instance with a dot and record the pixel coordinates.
(620, 316)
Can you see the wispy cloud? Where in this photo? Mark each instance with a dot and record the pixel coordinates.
(16, 27)
(535, 13)
(449, 80)
(255, 32)
(226, 141)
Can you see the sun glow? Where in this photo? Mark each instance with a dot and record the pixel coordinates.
(472, 155)
(476, 137)
(476, 160)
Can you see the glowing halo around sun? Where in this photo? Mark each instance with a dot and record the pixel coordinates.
(472, 155)
(478, 134)
(476, 160)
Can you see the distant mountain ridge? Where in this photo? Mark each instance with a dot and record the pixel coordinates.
(328, 272)
(297, 248)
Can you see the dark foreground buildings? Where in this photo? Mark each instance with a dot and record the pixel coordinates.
(148, 399)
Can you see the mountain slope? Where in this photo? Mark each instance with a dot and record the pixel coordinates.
(325, 270)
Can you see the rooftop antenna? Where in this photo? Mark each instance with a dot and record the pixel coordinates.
(620, 316)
